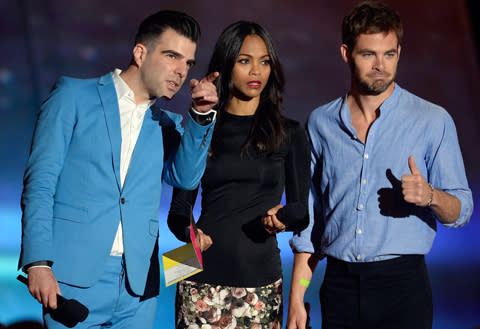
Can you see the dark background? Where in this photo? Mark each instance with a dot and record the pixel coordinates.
(43, 39)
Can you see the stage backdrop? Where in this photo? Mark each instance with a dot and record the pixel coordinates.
(43, 39)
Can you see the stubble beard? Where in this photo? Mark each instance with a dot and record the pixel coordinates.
(373, 88)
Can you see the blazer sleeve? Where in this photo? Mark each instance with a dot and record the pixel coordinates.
(184, 167)
(50, 143)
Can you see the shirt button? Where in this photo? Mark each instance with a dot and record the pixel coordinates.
(358, 257)
(360, 206)
(364, 181)
(359, 231)
(366, 156)
(122, 200)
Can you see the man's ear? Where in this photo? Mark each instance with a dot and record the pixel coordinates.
(345, 52)
(139, 54)
(399, 48)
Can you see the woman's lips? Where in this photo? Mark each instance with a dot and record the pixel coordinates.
(254, 84)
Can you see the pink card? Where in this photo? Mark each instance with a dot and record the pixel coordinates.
(193, 238)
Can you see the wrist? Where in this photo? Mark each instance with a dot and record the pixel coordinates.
(430, 197)
(295, 299)
(41, 263)
(297, 294)
(203, 118)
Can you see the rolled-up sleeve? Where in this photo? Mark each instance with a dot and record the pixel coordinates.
(447, 171)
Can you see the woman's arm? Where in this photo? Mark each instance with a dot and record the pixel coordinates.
(294, 215)
(180, 212)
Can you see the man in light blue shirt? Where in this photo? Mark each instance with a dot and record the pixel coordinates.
(386, 165)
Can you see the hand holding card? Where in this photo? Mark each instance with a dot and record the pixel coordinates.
(185, 261)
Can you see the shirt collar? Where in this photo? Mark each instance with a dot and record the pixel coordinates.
(346, 116)
(386, 106)
(392, 100)
(124, 91)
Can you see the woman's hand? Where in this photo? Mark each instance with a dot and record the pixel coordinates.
(204, 241)
(270, 221)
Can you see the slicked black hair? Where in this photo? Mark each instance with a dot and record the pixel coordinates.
(153, 26)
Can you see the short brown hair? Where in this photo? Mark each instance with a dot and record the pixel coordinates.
(370, 17)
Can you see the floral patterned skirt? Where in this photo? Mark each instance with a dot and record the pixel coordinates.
(206, 306)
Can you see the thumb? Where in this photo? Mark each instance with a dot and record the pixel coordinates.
(193, 83)
(412, 165)
(274, 210)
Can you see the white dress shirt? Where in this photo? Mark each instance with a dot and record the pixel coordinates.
(131, 120)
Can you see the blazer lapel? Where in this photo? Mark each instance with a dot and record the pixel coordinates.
(108, 97)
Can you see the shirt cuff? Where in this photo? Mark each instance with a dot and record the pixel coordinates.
(201, 118)
(41, 263)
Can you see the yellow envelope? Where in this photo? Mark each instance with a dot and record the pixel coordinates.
(180, 263)
(185, 261)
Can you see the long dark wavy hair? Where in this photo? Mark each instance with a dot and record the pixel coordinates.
(267, 131)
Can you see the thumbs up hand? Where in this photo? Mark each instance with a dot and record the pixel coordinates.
(415, 188)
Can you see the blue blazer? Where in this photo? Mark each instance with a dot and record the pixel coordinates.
(72, 199)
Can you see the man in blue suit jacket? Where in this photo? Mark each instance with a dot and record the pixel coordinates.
(92, 185)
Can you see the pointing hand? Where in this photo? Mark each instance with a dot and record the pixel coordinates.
(204, 93)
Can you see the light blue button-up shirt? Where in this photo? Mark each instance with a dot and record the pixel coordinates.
(357, 211)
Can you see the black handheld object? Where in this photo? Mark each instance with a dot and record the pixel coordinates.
(69, 312)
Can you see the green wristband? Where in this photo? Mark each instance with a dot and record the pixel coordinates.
(304, 283)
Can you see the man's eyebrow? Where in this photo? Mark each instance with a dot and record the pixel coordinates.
(173, 52)
(190, 62)
(393, 50)
(367, 50)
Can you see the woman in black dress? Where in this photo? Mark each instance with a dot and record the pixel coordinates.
(256, 154)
